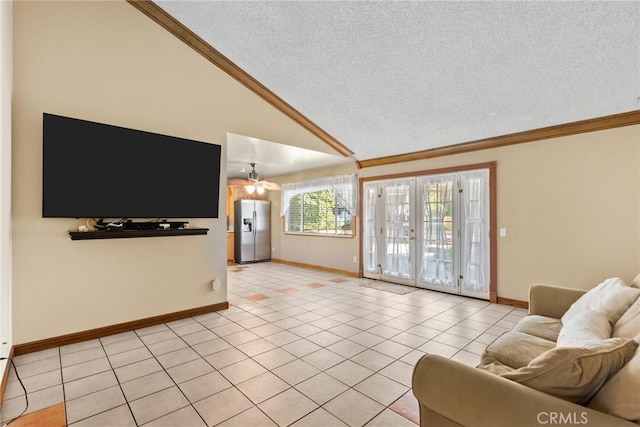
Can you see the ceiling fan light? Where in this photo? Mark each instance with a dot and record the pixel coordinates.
(260, 190)
(250, 189)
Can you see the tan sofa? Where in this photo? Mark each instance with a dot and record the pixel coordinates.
(453, 394)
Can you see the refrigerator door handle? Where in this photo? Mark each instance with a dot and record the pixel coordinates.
(255, 222)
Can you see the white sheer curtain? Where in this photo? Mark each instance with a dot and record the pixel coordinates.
(397, 217)
(370, 196)
(475, 231)
(343, 186)
(437, 243)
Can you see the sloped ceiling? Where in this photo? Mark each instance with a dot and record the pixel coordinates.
(388, 78)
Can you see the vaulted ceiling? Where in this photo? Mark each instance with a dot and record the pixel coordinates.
(388, 78)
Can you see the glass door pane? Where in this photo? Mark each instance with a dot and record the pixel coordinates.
(371, 230)
(436, 253)
(398, 231)
(475, 233)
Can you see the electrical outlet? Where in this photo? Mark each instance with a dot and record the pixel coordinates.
(355, 259)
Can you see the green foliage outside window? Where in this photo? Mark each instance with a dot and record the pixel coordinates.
(318, 212)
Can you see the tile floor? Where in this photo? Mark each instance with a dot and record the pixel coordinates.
(298, 347)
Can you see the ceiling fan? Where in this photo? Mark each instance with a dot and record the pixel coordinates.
(253, 183)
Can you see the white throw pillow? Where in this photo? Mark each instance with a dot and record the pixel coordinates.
(586, 328)
(612, 298)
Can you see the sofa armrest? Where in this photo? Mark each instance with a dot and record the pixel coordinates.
(552, 301)
(466, 396)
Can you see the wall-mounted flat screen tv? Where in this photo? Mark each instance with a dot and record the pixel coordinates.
(94, 170)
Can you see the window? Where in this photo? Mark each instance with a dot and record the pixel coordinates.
(324, 206)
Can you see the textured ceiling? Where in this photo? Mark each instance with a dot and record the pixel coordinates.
(388, 78)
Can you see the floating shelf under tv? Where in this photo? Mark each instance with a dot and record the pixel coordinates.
(125, 234)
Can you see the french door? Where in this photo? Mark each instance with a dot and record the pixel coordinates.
(429, 231)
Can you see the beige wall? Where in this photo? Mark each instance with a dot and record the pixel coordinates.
(571, 207)
(329, 252)
(107, 62)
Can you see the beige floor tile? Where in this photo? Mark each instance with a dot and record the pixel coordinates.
(253, 348)
(189, 370)
(157, 405)
(119, 416)
(88, 385)
(204, 386)
(128, 357)
(434, 347)
(392, 349)
(296, 371)
(222, 406)
(199, 337)
(282, 338)
(381, 389)
(241, 337)
(349, 372)
(388, 418)
(301, 347)
(324, 338)
(95, 403)
(274, 358)
(399, 371)
(137, 370)
(82, 356)
(366, 339)
(226, 357)
(354, 408)
(28, 367)
(372, 359)
(124, 345)
(33, 383)
(319, 418)
(287, 407)
(262, 387)
(186, 416)
(321, 388)
(144, 386)
(209, 347)
(323, 359)
(178, 357)
(253, 417)
(242, 371)
(167, 346)
(346, 348)
(85, 369)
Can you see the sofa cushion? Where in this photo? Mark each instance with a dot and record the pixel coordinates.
(636, 282)
(620, 396)
(575, 373)
(544, 327)
(586, 328)
(515, 350)
(629, 324)
(611, 297)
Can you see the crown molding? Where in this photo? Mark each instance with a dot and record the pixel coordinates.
(169, 23)
(591, 125)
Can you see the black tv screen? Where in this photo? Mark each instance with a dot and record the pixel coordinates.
(93, 170)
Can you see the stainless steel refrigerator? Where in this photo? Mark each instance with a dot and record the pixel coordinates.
(251, 229)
